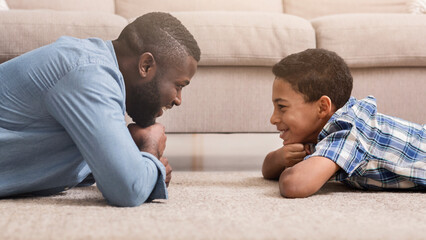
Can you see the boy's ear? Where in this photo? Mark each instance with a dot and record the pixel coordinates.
(147, 66)
(325, 106)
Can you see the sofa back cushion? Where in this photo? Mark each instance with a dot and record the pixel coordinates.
(247, 38)
(315, 8)
(22, 30)
(65, 5)
(374, 40)
(135, 8)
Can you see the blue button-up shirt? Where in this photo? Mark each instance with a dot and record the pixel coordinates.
(375, 151)
(62, 112)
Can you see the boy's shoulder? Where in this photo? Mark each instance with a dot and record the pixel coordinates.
(359, 123)
(362, 109)
(353, 113)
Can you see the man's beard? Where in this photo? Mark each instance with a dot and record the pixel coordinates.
(144, 103)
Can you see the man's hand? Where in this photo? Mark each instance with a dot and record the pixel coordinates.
(151, 139)
(169, 170)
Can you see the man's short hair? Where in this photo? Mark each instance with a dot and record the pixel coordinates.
(315, 73)
(162, 35)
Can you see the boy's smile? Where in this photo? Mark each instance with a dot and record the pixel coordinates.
(298, 121)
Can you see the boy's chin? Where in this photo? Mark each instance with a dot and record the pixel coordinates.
(293, 141)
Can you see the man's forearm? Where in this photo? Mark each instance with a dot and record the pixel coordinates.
(134, 189)
(150, 149)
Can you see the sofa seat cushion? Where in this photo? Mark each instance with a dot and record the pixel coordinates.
(25, 30)
(247, 38)
(374, 40)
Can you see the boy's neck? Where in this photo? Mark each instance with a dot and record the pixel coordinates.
(323, 122)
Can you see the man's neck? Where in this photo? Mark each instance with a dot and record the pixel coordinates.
(127, 62)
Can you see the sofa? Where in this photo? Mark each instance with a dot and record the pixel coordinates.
(381, 41)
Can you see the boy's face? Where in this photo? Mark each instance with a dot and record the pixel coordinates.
(297, 120)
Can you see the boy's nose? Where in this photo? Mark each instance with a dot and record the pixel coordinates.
(274, 119)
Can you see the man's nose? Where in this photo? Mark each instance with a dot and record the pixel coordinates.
(178, 99)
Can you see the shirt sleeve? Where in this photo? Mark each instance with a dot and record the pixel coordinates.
(89, 103)
(343, 148)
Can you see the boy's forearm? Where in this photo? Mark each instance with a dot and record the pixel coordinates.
(307, 177)
(271, 169)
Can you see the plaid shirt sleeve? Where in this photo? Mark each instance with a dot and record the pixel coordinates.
(343, 148)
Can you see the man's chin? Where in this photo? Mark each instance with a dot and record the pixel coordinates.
(160, 113)
(144, 122)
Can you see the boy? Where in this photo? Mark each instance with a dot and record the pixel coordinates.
(352, 142)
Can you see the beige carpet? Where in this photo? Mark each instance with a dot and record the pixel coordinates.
(219, 205)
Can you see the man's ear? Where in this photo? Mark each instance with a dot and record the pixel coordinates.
(147, 66)
(325, 106)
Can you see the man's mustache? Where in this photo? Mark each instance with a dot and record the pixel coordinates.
(167, 107)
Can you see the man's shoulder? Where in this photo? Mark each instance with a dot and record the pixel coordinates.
(86, 50)
(93, 54)
(78, 42)
(89, 63)
(81, 43)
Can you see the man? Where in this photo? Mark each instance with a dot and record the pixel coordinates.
(62, 112)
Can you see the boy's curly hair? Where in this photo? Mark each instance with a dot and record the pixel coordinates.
(315, 73)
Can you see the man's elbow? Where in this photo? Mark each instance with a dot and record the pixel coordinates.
(293, 186)
(131, 191)
(127, 199)
(131, 195)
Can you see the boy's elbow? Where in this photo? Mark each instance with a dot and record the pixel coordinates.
(269, 171)
(267, 175)
(292, 185)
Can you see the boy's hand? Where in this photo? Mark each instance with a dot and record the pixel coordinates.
(151, 139)
(291, 154)
(287, 156)
(169, 170)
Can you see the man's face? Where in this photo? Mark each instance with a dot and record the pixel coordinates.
(296, 119)
(147, 100)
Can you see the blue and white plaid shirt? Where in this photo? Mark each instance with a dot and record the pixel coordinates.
(374, 151)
